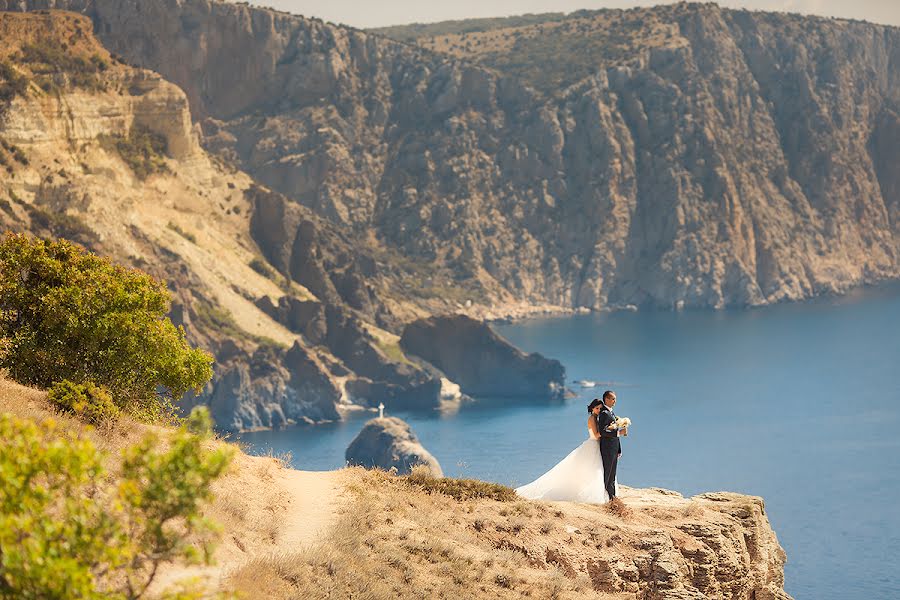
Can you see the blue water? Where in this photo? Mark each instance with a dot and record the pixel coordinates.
(799, 404)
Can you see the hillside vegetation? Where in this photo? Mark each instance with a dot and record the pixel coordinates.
(550, 51)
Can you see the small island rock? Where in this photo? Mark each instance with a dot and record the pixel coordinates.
(389, 442)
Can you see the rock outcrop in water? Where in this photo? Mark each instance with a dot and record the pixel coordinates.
(726, 158)
(482, 362)
(389, 443)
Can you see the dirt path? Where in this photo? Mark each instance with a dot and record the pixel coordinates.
(313, 502)
(264, 510)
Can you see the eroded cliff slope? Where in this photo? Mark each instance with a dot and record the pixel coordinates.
(710, 158)
(297, 312)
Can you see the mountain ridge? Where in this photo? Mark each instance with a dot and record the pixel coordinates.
(741, 161)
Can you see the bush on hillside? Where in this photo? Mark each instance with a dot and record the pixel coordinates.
(459, 489)
(66, 531)
(90, 403)
(68, 314)
(144, 151)
(12, 84)
(49, 58)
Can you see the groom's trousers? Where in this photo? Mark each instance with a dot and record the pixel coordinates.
(609, 453)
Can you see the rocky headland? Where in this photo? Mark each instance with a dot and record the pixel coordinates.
(472, 355)
(354, 532)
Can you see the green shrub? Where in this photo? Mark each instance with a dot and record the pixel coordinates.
(68, 314)
(12, 84)
(163, 493)
(66, 531)
(62, 225)
(91, 403)
(55, 538)
(263, 268)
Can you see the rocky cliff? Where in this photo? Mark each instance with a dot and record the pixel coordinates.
(705, 157)
(409, 537)
(356, 533)
(297, 312)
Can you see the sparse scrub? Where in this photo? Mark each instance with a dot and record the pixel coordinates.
(12, 84)
(215, 318)
(185, 234)
(49, 59)
(144, 151)
(62, 225)
(263, 268)
(459, 489)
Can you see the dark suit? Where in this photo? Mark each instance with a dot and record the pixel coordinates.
(610, 448)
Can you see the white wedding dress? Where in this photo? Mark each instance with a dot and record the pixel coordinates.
(576, 478)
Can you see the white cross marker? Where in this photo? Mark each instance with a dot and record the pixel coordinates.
(381, 410)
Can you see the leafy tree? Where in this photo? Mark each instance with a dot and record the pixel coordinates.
(68, 532)
(68, 314)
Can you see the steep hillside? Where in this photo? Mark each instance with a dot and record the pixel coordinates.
(106, 154)
(700, 156)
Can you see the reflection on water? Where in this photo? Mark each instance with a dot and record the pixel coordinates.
(798, 403)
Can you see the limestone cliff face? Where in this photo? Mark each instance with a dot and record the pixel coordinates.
(743, 158)
(70, 171)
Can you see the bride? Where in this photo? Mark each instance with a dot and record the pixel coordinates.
(579, 476)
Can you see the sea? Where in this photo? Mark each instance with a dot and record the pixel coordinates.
(797, 403)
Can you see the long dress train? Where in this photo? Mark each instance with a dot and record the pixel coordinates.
(576, 478)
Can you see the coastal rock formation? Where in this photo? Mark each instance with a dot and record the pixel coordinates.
(271, 390)
(387, 443)
(659, 546)
(105, 154)
(480, 361)
(718, 158)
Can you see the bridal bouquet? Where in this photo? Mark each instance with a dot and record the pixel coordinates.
(622, 423)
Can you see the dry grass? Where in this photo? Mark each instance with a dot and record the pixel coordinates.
(618, 508)
(406, 537)
(423, 537)
(459, 489)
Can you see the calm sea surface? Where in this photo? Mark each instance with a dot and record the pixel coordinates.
(797, 403)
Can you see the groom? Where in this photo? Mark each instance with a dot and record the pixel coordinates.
(610, 447)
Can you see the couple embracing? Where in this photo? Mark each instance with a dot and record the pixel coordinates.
(588, 473)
